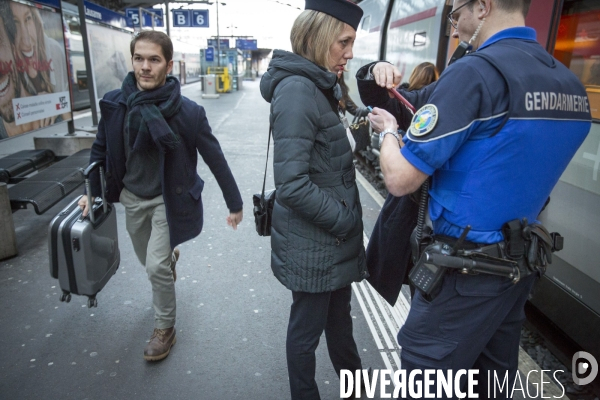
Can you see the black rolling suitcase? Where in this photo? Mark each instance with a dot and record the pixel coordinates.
(84, 252)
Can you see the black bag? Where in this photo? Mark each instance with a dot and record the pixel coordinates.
(263, 210)
(361, 133)
(264, 202)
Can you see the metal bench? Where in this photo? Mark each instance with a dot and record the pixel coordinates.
(49, 186)
(15, 167)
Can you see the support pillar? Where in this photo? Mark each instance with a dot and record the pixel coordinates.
(8, 243)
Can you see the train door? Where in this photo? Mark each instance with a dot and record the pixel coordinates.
(539, 18)
(569, 293)
(447, 44)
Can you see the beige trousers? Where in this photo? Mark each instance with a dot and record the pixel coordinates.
(146, 222)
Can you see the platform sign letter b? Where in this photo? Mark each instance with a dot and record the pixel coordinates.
(181, 18)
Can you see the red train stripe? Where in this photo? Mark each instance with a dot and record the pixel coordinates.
(413, 18)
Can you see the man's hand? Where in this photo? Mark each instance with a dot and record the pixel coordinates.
(386, 75)
(234, 219)
(83, 204)
(381, 119)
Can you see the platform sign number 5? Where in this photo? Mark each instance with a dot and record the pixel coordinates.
(133, 17)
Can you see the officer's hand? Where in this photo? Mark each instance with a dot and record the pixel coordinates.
(381, 119)
(386, 75)
(83, 204)
(234, 219)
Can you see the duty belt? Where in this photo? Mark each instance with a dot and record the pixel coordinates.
(527, 249)
(495, 250)
(471, 258)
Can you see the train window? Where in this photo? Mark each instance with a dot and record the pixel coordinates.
(578, 46)
(365, 23)
(420, 39)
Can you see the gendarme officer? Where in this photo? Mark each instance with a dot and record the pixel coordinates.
(495, 134)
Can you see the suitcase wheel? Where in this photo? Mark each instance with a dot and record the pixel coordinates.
(92, 302)
(66, 296)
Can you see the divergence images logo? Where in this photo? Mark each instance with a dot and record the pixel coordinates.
(583, 364)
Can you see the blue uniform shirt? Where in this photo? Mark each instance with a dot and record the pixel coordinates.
(485, 176)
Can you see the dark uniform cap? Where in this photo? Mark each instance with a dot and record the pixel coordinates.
(343, 10)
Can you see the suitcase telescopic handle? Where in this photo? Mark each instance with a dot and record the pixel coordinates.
(88, 189)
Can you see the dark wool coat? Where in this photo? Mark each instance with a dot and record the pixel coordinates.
(317, 231)
(389, 253)
(181, 184)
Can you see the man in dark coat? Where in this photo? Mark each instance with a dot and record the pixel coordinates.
(151, 155)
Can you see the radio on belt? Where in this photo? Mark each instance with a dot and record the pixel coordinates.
(426, 276)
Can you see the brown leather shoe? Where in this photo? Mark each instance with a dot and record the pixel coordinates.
(174, 258)
(160, 344)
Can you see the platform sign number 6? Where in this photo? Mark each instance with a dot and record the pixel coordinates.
(200, 18)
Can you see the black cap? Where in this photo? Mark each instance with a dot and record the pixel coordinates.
(343, 10)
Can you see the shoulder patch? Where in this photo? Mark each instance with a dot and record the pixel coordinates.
(424, 120)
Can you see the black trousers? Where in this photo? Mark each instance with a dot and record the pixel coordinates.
(310, 314)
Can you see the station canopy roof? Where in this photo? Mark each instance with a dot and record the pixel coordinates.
(121, 5)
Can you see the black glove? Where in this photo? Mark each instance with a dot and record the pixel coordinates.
(361, 112)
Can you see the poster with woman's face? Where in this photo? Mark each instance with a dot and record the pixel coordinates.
(34, 86)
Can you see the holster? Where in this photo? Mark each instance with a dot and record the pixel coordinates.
(531, 244)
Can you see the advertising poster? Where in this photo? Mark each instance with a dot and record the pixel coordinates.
(34, 87)
(111, 57)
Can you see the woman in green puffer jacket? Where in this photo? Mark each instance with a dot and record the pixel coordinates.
(317, 231)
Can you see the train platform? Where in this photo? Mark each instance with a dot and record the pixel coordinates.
(232, 311)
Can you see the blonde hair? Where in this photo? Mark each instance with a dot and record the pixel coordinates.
(312, 35)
